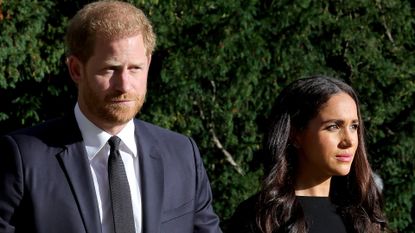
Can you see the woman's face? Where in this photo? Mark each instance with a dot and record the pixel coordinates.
(328, 144)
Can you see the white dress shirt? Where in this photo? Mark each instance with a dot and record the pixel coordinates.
(97, 148)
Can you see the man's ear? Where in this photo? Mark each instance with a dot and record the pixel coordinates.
(149, 61)
(74, 67)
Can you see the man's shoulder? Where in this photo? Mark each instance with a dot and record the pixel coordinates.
(50, 132)
(164, 138)
(157, 130)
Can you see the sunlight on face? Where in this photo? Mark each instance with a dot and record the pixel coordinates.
(328, 144)
(114, 81)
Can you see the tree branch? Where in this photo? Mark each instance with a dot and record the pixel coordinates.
(216, 140)
(228, 155)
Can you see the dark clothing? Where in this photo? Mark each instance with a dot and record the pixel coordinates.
(321, 215)
(243, 219)
(319, 212)
(46, 184)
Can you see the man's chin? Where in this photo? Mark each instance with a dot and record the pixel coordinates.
(115, 114)
(119, 115)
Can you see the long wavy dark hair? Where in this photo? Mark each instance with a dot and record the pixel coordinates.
(356, 195)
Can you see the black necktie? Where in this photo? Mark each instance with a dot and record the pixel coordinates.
(122, 209)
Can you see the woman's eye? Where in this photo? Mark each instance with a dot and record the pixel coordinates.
(355, 126)
(332, 127)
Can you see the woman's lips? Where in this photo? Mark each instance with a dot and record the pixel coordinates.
(344, 157)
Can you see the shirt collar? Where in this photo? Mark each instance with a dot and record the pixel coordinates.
(95, 138)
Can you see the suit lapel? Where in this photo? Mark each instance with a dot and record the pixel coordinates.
(151, 175)
(76, 165)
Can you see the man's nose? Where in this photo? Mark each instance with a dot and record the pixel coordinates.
(122, 81)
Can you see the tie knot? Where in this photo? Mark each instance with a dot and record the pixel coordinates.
(114, 142)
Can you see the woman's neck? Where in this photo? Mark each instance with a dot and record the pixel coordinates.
(317, 187)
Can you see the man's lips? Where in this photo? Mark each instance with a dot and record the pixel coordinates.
(121, 100)
(344, 157)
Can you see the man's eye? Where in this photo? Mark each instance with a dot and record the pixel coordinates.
(110, 69)
(135, 68)
(106, 71)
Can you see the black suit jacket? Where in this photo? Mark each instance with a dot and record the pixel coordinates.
(46, 184)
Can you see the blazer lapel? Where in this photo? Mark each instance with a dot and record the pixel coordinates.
(151, 175)
(75, 162)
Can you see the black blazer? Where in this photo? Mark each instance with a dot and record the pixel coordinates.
(46, 184)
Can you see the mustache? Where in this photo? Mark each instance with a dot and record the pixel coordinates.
(120, 97)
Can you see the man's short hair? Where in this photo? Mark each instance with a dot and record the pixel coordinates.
(109, 19)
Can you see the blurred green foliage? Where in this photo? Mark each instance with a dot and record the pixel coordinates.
(218, 67)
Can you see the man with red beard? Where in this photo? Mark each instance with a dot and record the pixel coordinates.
(99, 169)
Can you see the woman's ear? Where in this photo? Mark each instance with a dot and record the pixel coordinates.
(74, 67)
(295, 138)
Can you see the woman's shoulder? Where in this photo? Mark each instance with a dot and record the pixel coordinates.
(243, 219)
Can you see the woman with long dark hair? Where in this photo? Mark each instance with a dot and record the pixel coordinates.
(318, 178)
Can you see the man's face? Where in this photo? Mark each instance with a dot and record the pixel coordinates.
(112, 84)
